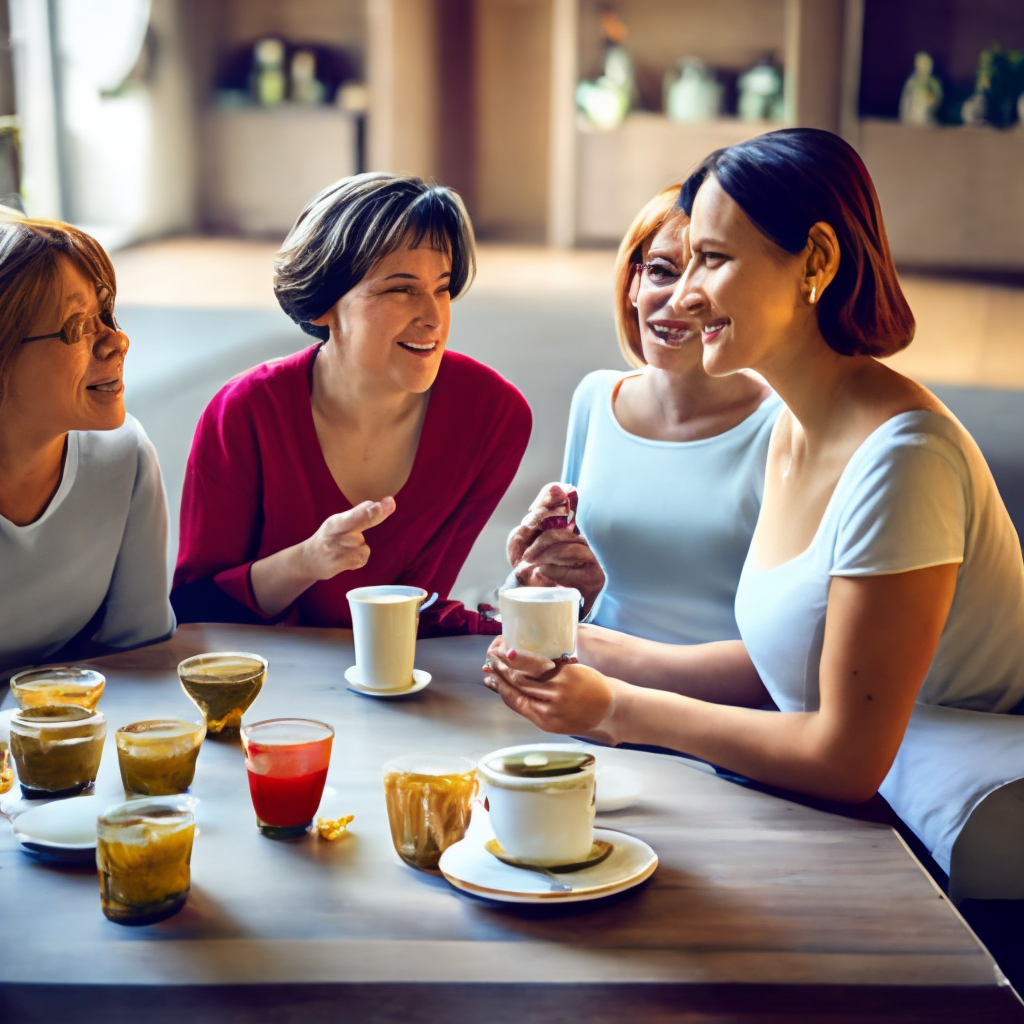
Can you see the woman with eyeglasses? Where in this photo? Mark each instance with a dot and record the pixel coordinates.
(881, 604)
(667, 463)
(374, 456)
(83, 517)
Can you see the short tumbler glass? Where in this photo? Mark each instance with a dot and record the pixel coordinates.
(143, 850)
(429, 798)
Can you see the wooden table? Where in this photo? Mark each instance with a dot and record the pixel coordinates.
(760, 909)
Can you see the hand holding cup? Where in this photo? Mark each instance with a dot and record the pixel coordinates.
(558, 696)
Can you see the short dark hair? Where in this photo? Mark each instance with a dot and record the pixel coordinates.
(785, 182)
(349, 227)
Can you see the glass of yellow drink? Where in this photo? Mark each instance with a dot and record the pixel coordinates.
(158, 757)
(223, 685)
(429, 799)
(143, 850)
(62, 684)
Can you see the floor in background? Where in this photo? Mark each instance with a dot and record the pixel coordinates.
(201, 310)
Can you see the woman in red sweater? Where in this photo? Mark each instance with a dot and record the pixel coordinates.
(372, 457)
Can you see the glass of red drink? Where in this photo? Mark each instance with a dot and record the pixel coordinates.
(287, 760)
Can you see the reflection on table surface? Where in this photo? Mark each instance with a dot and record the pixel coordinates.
(758, 903)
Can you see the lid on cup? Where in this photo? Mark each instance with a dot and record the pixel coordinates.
(538, 762)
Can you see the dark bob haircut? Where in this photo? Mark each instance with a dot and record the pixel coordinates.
(785, 182)
(349, 227)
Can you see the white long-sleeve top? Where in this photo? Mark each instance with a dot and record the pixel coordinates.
(91, 571)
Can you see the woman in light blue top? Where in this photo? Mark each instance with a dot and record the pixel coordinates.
(881, 605)
(667, 461)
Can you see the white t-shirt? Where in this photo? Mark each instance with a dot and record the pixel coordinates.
(669, 521)
(93, 568)
(916, 493)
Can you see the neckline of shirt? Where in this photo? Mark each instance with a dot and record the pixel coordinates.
(67, 480)
(749, 423)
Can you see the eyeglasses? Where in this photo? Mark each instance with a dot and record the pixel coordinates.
(81, 328)
(657, 275)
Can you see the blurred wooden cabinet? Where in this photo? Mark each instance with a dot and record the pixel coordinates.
(263, 164)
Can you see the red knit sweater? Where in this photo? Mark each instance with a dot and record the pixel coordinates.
(256, 482)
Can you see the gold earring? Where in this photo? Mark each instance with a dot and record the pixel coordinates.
(814, 293)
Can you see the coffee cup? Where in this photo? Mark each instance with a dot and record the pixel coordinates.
(384, 624)
(541, 802)
(541, 620)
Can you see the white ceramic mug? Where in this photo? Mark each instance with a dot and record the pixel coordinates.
(540, 799)
(384, 623)
(541, 620)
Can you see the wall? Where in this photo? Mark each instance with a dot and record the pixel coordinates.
(513, 82)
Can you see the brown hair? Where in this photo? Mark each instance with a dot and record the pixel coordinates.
(633, 249)
(30, 251)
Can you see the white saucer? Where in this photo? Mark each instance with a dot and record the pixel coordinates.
(469, 867)
(618, 787)
(61, 830)
(420, 679)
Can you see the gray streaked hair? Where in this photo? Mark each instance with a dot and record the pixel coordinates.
(350, 226)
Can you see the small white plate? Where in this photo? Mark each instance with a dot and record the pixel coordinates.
(469, 867)
(420, 679)
(61, 830)
(617, 787)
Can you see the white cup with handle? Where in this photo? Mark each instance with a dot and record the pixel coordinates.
(541, 620)
(384, 623)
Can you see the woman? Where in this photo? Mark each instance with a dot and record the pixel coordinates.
(882, 600)
(83, 518)
(667, 461)
(373, 456)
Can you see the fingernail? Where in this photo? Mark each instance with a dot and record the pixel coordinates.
(511, 654)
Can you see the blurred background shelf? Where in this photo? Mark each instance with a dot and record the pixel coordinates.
(261, 164)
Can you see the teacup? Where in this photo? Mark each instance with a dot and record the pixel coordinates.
(384, 624)
(541, 620)
(541, 802)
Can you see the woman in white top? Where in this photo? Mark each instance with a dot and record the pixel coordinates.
(667, 461)
(83, 518)
(881, 605)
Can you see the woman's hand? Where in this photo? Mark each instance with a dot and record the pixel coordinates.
(560, 697)
(337, 546)
(554, 557)
(339, 543)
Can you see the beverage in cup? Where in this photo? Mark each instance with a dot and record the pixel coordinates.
(541, 802)
(143, 849)
(57, 749)
(428, 799)
(63, 684)
(158, 757)
(384, 624)
(223, 685)
(541, 620)
(287, 760)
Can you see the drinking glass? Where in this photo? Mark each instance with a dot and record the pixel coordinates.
(57, 749)
(429, 799)
(223, 685)
(143, 849)
(64, 684)
(287, 760)
(158, 757)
